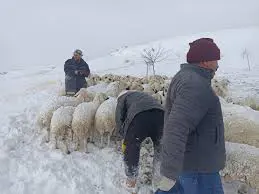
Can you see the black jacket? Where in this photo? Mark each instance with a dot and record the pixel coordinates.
(75, 82)
(129, 105)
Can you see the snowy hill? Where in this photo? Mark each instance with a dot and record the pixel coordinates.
(231, 42)
(28, 165)
(233, 65)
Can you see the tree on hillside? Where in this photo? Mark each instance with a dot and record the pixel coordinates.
(246, 56)
(152, 56)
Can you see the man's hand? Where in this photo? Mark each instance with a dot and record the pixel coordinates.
(83, 72)
(76, 72)
(166, 184)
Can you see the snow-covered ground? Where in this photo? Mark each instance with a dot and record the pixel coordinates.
(28, 165)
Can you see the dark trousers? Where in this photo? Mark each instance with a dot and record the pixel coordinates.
(74, 83)
(145, 124)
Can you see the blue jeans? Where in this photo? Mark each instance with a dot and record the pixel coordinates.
(196, 183)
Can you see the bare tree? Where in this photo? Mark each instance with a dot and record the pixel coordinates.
(152, 56)
(245, 55)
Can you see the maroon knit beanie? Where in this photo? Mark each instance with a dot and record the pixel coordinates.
(203, 49)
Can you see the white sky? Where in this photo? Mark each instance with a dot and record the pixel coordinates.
(45, 32)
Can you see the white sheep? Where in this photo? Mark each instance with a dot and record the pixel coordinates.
(136, 86)
(105, 118)
(165, 77)
(114, 88)
(166, 85)
(241, 123)
(116, 77)
(61, 126)
(241, 130)
(46, 111)
(158, 97)
(148, 89)
(163, 95)
(220, 87)
(156, 79)
(107, 78)
(156, 86)
(83, 120)
(93, 79)
(129, 78)
(251, 101)
(242, 164)
(89, 95)
(144, 80)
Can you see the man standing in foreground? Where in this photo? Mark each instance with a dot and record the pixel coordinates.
(76, 70)
(193, 144)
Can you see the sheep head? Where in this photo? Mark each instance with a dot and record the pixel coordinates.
(123, 85)
(83, 95)
(136, 86)
(100, 98)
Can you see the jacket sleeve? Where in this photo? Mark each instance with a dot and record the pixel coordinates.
(189, 107)
(85, 70)
(69, 68)
(120, 113)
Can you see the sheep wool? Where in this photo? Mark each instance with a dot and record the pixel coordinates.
(61, 126)
(83, 120)
(242, 164)
(46, 111)
(105, 118)
(148, 89)
(158, 97)
(114, 88)
(136, 86)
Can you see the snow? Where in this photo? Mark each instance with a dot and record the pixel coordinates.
(29, 165)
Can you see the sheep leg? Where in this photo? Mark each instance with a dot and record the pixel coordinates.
(109, 140)
(67, 141)
(56, 143)
(48, 135)
(91, 137)
(78, 144)
(102, 141)
(66, 150)
(81, 144)
(85, 144)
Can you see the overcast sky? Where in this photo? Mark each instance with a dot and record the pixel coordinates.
(45, 32)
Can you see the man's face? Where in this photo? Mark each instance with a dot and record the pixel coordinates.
(212, 65)
(77, 57)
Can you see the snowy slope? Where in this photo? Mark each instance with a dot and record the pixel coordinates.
(29, 166)
(231, 42)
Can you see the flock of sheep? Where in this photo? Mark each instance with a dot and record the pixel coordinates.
(90, 114)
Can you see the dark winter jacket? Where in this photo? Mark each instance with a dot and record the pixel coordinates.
(75, 81)
(193, 139)
(129, 105)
